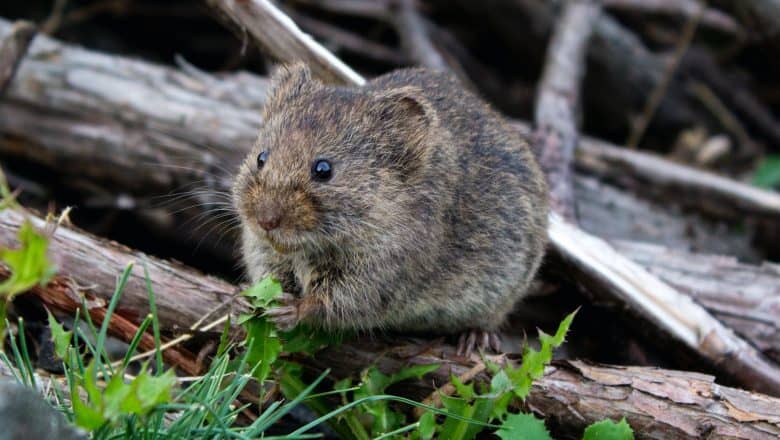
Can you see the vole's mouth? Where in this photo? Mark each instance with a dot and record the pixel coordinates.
(278, 247)
(279, 244)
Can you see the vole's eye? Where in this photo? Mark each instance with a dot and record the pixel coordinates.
(321, 170)
(261, 159)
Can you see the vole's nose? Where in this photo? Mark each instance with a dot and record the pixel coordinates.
(269, 221)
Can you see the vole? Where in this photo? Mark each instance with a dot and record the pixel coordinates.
(407, 204)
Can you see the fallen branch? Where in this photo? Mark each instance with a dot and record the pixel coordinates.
(555, 134)
(414, 37)
(711, 17)
(89, 267)
(657, 403)
(282, 38)
(745, 297)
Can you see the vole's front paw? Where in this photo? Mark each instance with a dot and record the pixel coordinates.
(287, 314)
(479, 340)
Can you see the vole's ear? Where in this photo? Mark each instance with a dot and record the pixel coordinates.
(287, 82)
(406, 118)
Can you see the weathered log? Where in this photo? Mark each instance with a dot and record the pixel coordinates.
(657, 403)
(744, 296)
(557, 105)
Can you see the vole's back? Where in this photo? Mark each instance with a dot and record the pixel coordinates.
(497, 220)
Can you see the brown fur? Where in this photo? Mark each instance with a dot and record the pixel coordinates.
(434, 219)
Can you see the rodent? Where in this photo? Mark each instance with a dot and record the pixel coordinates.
(407, 204)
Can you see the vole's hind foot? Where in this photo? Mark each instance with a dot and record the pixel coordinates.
(287, 314)
(479, 340)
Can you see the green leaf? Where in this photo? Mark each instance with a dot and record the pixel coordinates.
(523, 427)
(464, 391)
(263, 294)
(767, 175)
(609, 430)
(154, 390)
(427, 427)
(304, 339)
(263, 346)
(532, 366)
(60, 337)
(28, 264)
(86, 416)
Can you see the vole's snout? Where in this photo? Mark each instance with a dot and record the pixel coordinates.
(269, 216)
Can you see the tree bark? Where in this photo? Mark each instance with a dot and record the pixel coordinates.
(657, 403)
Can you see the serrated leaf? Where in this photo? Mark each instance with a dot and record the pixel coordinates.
(563, 329)
(304, 339)
(86, 416)
(28, 264)
(500, 383)
(523, 427)
(154, 390)
(263, 346)
(263, 294)
(465, 392)
(609, 430)
(60, 337)
(532, 366)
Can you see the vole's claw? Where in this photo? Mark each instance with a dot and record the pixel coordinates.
(286, 315)
(478, 340)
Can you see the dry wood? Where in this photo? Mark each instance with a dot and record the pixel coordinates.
(760, 16)
(89, 266)
(627, 69)
(13, 47)
(555, 134)
(76, 113)
(342, 39)
(282, 38)
(611, 274)
(146, 117)
(711, 17)
(658, 403)
(744, 296)
(414, 37)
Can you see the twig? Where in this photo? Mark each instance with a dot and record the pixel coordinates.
(414, 37)
(12, 49)
(654, 100)
(285, 41)
(723, 114)
(711, 17)
(54, 19)
(555, 135)
(350, 41)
